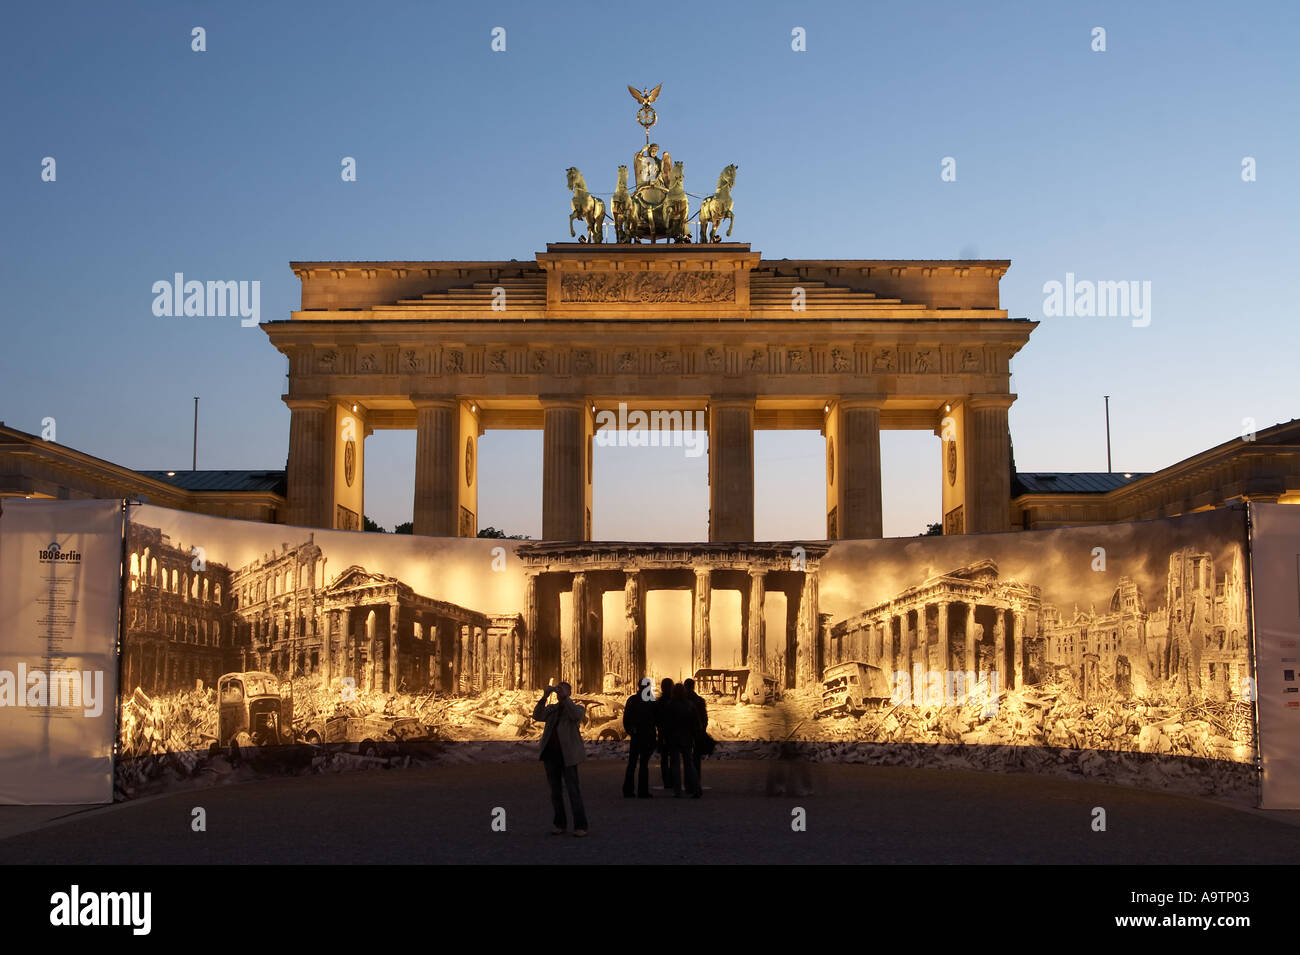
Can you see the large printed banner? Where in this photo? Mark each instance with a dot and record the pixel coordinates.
(1115, 651)
(1275, 581)
(60, 590)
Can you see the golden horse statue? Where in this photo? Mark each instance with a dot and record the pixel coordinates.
(586, 207)
(622, 208)
(677, 205)
(718, 207)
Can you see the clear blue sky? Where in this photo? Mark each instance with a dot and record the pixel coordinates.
(225, 165)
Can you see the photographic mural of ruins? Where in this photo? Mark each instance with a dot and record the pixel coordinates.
(1080, 646)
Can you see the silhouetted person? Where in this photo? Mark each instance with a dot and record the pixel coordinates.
(683, 725)
(702, 713)
(639, 721)
(561, 752)
(661, 727)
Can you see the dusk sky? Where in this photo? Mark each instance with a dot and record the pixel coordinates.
(1122, 165)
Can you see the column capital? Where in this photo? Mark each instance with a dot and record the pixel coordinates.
(990, 401)
(858, 402)
(306, 404)
(564, 401)
(449, 402)
(746, 402)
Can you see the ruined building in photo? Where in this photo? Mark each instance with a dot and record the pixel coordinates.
(594, 657)
(1195, 642)
(283, 614)
(177, 616)
(966, 620)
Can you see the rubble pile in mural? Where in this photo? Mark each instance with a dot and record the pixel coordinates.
(175, 723)
(176, 736)
(1054, 714)
(1049, 727)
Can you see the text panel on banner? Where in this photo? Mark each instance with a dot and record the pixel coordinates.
(60, 592)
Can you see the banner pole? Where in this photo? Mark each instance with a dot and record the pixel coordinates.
(1249, 509)
(1109, 469)
(115, 750)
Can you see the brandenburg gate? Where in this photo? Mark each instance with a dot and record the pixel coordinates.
(664, 321)
(453, 349)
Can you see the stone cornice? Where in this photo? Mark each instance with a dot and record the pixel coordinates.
(723, 280)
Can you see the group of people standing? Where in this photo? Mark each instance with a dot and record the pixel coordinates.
(676, 726)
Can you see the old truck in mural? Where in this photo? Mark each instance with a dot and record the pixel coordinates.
(852, 688)
(370, 735)
(743, 685)
(602, 719)
(253, 709)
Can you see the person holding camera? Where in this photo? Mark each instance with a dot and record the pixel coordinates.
(561, 752)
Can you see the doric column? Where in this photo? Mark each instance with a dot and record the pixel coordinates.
(571, 647)
(757, 624)
(345, 643)
(483, 669)
(805, 633)
(701, 647)
(309, 475)
(326, 645)
(566, 448)
(469, 666)
(809, 616)
(437, 467)
(744, 625)
(971, 665)
(458, 657)
(945, 657)
(904, 659)
(1018, 647)
(988, 463)
(887, 649)
(528, 675)
(394, 640)
(634, 627)
(731, 470)
(372, 625)
(519, 673)
(440, 649)
(858, 467)
(922, 641)
(1000, 646)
